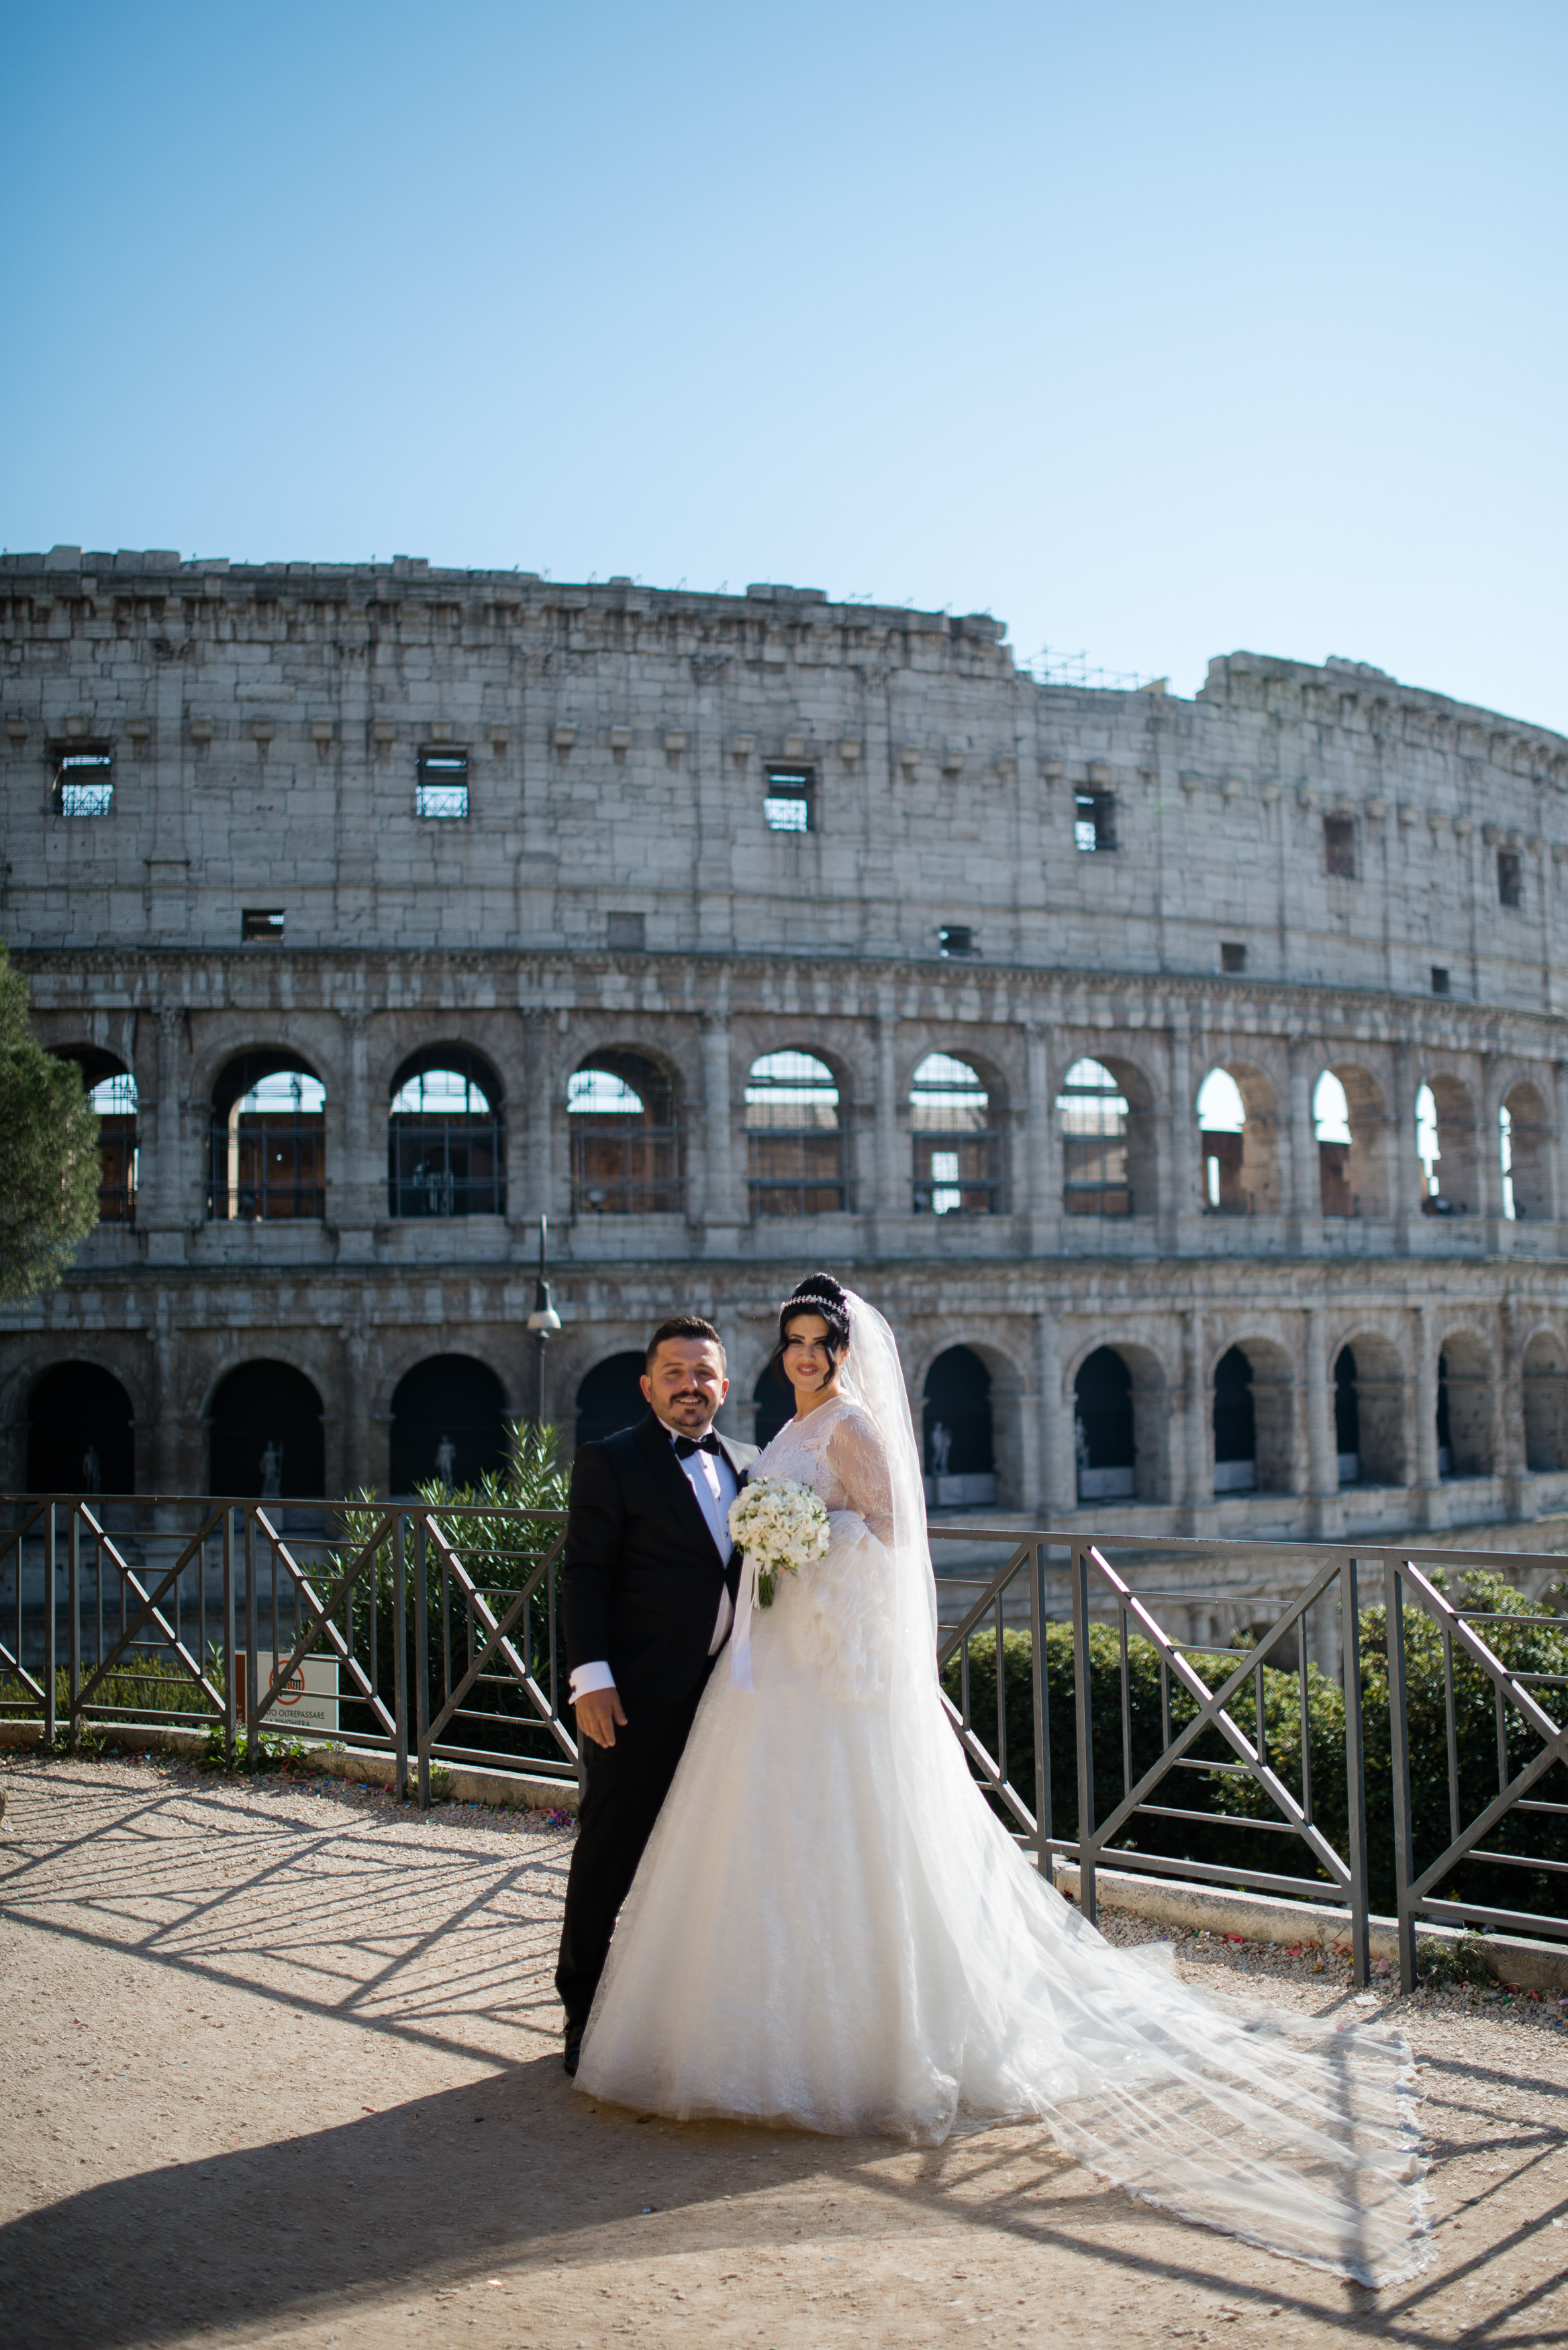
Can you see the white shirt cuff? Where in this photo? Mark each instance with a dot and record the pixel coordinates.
(587, 1678)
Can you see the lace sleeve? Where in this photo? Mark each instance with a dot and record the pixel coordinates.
(858, 1460)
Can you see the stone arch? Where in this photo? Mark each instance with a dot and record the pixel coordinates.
(1544, 1372)
(446, 1134)
(1108, 1162)
(1366, 1398)
(958, 1440)
(1524, 1150)
(1004, 1392)
(957, 1122)
(625, 1133)
(797, 1127)
(1095, 1386)
(1239, 1170)
(1455, 1167)
(608, 1396)
(267, 1148)
(265, 1437)
(110, 1087)
(1466, 1405)
(1265, 1370)
(1350, 1156)
(80, 1431)
(449, 1423)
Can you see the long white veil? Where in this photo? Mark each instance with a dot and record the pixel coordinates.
(1272, 2125)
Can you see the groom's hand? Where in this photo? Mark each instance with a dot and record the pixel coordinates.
(598, 1712)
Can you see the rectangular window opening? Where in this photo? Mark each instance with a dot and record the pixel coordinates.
(787, 800)
(261, 922)
(1232, 957)
(1339, 846)
(84, 783)
(442, 789)
(955, 940)
(625, 930)
(1439, 979)
(1510, 878)
(1094, 821)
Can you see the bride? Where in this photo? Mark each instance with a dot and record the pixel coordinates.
(830, 1926)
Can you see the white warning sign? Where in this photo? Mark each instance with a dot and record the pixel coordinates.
(309, 1700)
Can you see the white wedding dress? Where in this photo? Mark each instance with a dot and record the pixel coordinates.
(830, 1928)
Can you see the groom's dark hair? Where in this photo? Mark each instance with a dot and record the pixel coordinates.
(684, 1325)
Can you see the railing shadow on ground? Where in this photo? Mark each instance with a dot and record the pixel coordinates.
(1285, 1731)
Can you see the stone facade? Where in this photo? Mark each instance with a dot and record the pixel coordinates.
(1313, 868)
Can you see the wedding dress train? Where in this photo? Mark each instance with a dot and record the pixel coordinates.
(830, 1926)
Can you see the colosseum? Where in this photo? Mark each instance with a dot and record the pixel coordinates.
(1186, 1079)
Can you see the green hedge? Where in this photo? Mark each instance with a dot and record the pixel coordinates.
(1524, 1648)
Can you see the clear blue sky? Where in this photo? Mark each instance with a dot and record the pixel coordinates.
(1157, 330)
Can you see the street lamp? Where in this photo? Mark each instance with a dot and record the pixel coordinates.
(544, 1322)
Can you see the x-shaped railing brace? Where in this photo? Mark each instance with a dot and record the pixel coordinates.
(497, 1642)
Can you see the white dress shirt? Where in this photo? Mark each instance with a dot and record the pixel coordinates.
(715, 1485)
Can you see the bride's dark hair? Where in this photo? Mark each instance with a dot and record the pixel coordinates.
(817, 1293)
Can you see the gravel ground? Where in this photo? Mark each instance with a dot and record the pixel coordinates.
(283, 2065)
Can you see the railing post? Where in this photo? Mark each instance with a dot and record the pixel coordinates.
(1354, 1773)
(74, 1631)
(1044, 1858)
(1400, 1756)
(51, 1569)
(422, 1667)
(1086, 1905)
(228, 1640)
(252, 1679)
(400, 1650)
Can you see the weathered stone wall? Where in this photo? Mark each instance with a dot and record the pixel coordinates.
(266, 725)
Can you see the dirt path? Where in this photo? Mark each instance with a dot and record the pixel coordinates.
(282, 2064)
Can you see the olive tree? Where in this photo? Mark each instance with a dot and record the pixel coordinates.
(48, 1153)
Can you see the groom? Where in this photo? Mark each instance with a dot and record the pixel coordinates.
(650, 1581)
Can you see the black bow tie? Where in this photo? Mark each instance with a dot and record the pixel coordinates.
(685, 1446)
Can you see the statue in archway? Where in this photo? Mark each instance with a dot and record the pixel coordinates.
(92, 1470)
(272, 1471)
(446, 1459)
(942, 1448)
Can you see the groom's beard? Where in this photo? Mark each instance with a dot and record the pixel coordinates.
(686, 1415)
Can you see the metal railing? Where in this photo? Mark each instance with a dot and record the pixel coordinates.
(1395, 1739)
(437, 1627)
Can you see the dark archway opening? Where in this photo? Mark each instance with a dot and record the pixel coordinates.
(610, 1399)
(267, 1437)
(80, 1436)
(1445, 1429)
(449, 1423)
(1347, 1417)
(1235, 1425)
(1103, 1427)
(774, 1399)
(958, 1417)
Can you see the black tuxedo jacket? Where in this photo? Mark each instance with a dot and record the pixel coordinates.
(641, 1578)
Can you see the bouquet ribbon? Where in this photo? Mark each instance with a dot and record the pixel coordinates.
(741, 1636)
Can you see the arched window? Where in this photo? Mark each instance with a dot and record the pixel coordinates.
(1235, 1425)
(268, 1141)
(445, 1144)
(795, 1146)
(1445, 1139)
(79, 1432)
(1546, 1383)
(1465, 1430)
(1221, 1116)
(1523, 1145)
(610, 1397)
(1331, 1122)
(112, 1091)
(626, 1152)
(960, 1458)
(449, 1424)
(266, 1435)
(1347, 1417)
(1092, 1113)
(1427, 1144)
(958, 1151)
(1103, 1427)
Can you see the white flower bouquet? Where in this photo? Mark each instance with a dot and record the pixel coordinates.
(780, 1525)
